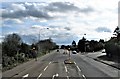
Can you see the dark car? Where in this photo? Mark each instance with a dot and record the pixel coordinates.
(57, 50)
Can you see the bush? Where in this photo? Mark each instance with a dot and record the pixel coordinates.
(112, 49)
(20, 57)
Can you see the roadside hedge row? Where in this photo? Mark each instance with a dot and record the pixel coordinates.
(112, 48)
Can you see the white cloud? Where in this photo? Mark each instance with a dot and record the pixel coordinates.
(17, 7)
(65, 18)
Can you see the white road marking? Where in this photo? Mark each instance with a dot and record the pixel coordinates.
(45, 68)
(66, 69)
(78, 68)
(40, 75)
(53, 76)
(84, 76)
(25, 76)
(49, 62)
(67, 77)
(57, 75)
(75, 63)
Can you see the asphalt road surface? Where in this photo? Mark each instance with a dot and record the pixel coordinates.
(52, 66)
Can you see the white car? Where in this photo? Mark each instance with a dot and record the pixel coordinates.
(74, 52)
(103, 51)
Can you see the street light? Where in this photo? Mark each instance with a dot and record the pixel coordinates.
(85, 43)
(69, 53)
(39, 35)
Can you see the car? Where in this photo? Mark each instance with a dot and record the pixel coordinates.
(103, 51)
(57, 50)
(74, 52)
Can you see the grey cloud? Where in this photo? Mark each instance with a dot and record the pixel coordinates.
(87, 10)
(40, 11)
(67, 28)
(61, 7)
(31, 10)
(66, 6)
(17, 14)
(103, 29)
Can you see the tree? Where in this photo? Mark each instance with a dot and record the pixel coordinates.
(81, 44)
(102, 41)
(62, 46)
(46, 45)
(117, 32)
(24, 48)
(74, 43)
(11, 44)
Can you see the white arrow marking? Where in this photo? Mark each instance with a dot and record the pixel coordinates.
(57, 75)
(53, 76)
(25, 76)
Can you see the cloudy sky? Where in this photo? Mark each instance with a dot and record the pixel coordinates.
(61, 20)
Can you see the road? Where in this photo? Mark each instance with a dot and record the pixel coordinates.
(52, 66)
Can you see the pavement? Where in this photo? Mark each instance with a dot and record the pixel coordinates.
(101, 57)
(52, 66)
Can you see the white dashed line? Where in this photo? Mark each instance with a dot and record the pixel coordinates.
(67, 77)
(49, 62)
(84, 76)
(78, 68)
(25, 76)
(65, 68)
(45, 68)
(75, 63)
(39, 76)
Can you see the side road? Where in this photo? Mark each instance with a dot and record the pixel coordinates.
(24, 66)
(101, 57)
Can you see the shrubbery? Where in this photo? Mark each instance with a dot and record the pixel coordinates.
(112, 47)
(14, 51)
(90, 46)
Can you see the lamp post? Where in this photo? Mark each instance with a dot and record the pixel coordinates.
(39, 38)
(85, 43)
(39, 35)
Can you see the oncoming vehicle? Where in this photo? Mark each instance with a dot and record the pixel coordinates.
(103, 51)
(57, 50)
(74, 52)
